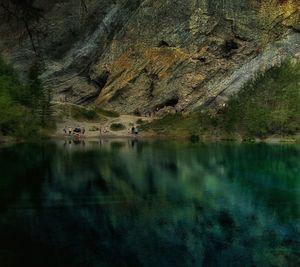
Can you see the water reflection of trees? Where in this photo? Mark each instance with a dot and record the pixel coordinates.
(162, 203)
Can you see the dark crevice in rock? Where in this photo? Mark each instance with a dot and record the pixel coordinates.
(229, 47)
(163, 43)
(171, 102)
(202, 59)
(151, 89)
(153, 77)
(296, 27)
(101, 80)
(67, 90)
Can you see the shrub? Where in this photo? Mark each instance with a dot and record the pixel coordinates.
(117, 127)
(140, 121)
(90, 114)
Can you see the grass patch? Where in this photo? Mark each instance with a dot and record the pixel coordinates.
(108, 113)
(175, 125)
(82, 113)
(117, 127)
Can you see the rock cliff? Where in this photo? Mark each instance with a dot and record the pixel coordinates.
(145, 55)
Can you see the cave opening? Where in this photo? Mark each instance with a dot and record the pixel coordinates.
(202, 59)
(230, 45)
(172, 102)
(163, 43)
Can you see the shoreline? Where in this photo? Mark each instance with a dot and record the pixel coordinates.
(103, 130)
(211, 139)
(158, 138)
(144, 136)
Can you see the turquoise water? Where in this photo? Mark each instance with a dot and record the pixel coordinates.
(131, 203)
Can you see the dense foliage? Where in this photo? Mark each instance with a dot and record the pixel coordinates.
(268, 105)
(24, 108)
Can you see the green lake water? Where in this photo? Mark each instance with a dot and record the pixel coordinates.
(156, 203)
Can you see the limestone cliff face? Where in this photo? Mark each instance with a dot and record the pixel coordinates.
(144, 55)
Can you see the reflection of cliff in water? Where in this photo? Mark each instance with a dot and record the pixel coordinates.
(130, 203)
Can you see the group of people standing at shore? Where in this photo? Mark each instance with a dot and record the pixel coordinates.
(80, 131)
(77, 131)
